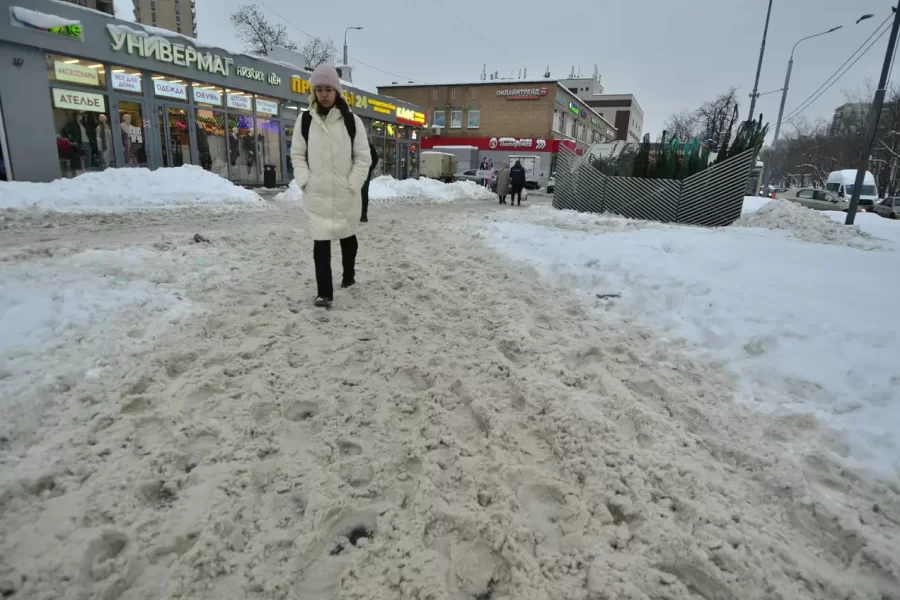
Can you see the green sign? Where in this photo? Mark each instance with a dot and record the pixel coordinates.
(37, 21)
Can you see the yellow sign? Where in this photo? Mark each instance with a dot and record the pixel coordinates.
(385, 108)
(302, 87)
(75, 73)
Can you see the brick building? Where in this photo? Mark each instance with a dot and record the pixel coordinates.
(505, 117)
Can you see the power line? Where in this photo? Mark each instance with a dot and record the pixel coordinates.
(309, 35)
(469, 27)
(839, 73)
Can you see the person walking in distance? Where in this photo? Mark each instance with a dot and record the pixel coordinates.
(331, 159)
(503, 182)
(365, 190)
(517, 180)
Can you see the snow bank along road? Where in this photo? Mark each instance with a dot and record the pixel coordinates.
(181, 422)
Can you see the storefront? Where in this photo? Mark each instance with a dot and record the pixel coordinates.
(84, 92)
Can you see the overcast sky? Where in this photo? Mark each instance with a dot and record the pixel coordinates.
(671, 55)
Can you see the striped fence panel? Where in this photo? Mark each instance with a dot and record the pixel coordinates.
(713, 197)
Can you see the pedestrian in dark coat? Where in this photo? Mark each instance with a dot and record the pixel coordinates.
(517, 181)
(365, 189)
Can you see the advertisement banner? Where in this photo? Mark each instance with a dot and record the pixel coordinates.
(75, 73)
(126, 82)
(497, 144)
(238, 102)
(202, 96)
(83, 101)
(170, 90)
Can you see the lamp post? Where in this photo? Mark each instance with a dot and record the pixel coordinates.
(345, 42)
(874, 116)
(762, 50)
(784, 91)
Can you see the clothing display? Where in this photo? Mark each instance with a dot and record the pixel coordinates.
(132, 141)
(104, 143)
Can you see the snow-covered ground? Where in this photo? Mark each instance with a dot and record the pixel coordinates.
(120, 190)
(387, 190)
(180, 422)
(799, 322)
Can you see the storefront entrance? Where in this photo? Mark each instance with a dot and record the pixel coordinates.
(130, 146)
(174, 135)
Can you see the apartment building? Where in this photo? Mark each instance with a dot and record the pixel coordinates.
(106, 6)
(179, 16)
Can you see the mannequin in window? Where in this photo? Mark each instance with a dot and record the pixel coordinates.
(132, 139)
(104, 142)
(234, 146)
(248, 149)
(72, 132)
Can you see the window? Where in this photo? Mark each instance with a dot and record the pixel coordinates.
(555, 121)
(440, 118)
(473, 93)
(832, 187)
(866, 190)
(474, 118)
(456, 118)
(806, 194)
(72, 71)
(453, 94)
(434, 94)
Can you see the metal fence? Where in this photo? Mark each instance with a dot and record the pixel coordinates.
(713, 197)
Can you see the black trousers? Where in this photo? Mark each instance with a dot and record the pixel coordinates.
(365, 200)
(322, 258)
(516, 191)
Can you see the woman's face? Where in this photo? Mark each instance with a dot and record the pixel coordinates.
(326, 96)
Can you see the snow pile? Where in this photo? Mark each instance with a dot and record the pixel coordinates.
(387, 190)
(121, 190)
(788, 317)
(807, 224)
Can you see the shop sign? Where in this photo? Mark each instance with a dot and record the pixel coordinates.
(75, 73)
(202, 96)
(266, 107)
(126, 82)
(250, 73)
(159, 48)
(83, 101)
(382, 107)
(511, 142)
(170, 90)
(523, 94)
(301, 86)
(596, 122)
(573, 108)
(410, 116)
(238, 102)
(38, 21)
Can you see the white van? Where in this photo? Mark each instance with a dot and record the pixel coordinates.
(841, 183)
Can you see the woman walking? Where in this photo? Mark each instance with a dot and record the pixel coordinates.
(330, 155)
(503, 183)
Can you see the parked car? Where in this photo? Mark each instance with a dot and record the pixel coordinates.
(472, 175)
(889, 208)
(551, 184)
(814, 199)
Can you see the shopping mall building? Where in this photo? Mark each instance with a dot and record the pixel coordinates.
(81, 91)
(502, 118)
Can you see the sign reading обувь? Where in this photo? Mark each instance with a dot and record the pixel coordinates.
(161, 49)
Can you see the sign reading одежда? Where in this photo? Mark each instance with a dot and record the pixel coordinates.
(167, 89)
(82, 101)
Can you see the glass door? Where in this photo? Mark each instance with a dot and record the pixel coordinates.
(404, 160)
(212, 145)
(174, 135)
(133, 129)
(390, 157)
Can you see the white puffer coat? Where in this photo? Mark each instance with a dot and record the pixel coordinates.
(331, 174)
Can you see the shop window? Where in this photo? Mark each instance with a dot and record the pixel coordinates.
(290, 113)
(378, 142)
(207, 95)
(212, 145)
(268, 145)
(238, 101)
(474, 118)
(267, 107)
(456, 118)
(440, 118)
(169, 88)
(133, 130)
(128, 81)
(555, 121)
(83, 131)
(74, 71)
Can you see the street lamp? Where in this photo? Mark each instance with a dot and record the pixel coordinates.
(345, 42)
(787, 81)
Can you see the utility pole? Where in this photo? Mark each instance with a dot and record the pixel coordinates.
(762, 50)
(874, 116)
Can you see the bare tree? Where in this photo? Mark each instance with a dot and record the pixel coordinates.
(682, 125)
(256, 33)
(317, 51)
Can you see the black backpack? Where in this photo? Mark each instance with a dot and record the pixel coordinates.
(306, 121)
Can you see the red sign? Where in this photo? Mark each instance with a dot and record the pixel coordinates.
(499, 144)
